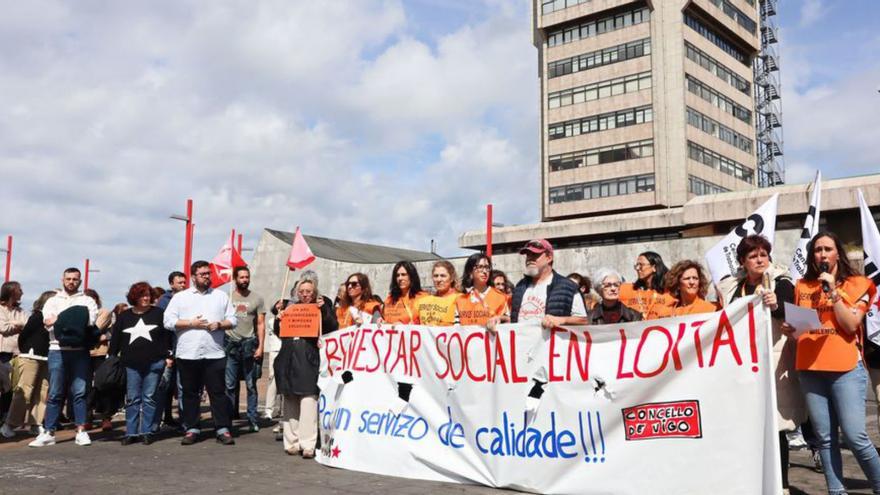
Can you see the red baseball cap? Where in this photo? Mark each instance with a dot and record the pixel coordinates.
(537, 246)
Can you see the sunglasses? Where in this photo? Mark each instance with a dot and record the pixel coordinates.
(352, 284)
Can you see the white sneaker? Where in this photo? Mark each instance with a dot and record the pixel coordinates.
(6, 431)
(44, 439)
(82, 438)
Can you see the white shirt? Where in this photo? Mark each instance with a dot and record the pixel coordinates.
(534, 302)
(189, 304)
(58, 303)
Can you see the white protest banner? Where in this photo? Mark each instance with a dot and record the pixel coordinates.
(721, 258)
(871, 249)
(798, 265)
(680, 405)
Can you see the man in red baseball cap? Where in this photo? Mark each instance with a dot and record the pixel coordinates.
(543, 294)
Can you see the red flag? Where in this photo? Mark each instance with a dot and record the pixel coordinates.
(223, 264)
(300, 255)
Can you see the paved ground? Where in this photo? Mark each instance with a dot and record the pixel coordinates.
(256, 464)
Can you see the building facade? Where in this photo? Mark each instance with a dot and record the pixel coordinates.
(644, 104)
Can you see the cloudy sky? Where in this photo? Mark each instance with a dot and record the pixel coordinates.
(382, 121)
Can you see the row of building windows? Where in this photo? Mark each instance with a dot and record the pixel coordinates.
(599, 58)
(734, 13)
(715, 67)
(716, 39)
(719, 100)
(722, 132)
(605, 154)
(602, 189)
(604, 25)
(700, 187)
(719, 162)
(602, 89)
(601, 122)
(548, 6)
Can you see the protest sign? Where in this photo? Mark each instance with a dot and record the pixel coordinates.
(301, 320)
(680, 405)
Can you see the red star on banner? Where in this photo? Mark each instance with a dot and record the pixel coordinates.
(335, 452)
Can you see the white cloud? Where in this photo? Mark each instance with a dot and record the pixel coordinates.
(269, 114)
(812, 11)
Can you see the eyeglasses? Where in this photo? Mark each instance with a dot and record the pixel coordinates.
(203, 274)
(484, 268)
(611, 285)
(352, 284)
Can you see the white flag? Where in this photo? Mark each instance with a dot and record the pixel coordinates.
(811, 225)
(871, 247)
(721, 258)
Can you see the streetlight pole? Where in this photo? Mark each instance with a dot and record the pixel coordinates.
(489, 231)
(8, 252)
(188, 241)
(88, 270)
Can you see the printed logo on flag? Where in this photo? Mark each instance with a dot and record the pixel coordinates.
(678, 419)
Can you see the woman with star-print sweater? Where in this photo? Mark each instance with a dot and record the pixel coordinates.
(143, 346)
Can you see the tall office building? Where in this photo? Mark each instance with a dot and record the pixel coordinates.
(644, 104)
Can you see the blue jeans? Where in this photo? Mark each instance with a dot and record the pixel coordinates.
(240, 361)
(140, 398)
(838, 399)
(67, 366)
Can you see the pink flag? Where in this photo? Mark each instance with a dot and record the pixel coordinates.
(223, 264)
(300, 255)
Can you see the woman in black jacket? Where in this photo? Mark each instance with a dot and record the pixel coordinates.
(29, 395)
(296, 373)
(611, 310)
(144, 348)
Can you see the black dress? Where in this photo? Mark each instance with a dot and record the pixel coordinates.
(297, 363)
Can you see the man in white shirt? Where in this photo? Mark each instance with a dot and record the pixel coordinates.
(543, 294)
(67, 362)
(200, 315)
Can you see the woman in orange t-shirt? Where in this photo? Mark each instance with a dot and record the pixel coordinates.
(357, 306)
(438, 310)
(832, 375)
(686, 286)
(481, 304)
(646, 295)
(400, 305)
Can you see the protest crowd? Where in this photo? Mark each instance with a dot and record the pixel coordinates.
(72, 361)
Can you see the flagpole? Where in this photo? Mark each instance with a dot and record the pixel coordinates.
(231, 268)
(286, 280)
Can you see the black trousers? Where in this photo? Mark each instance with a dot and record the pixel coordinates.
(210, 374)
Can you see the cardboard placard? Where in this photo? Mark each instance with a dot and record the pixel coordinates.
(301, 320)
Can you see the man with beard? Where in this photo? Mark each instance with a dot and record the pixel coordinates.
(244, 344)
(543, 294)
(200, 315)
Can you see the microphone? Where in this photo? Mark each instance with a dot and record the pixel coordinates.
(823, 268)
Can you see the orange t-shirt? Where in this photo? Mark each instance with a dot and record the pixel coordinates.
(699, 305)
(403, 311)
(650, 303)
(437, 311)
(476, 309)
(830, 348)
(343, 315)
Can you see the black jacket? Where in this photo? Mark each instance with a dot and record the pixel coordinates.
(34, 338)
(560, 295)
(597, 315)
(297, 363)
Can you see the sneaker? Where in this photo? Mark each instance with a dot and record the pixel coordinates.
(226, 439)
(44, 439)
(128, 440)
(36, 430)
(6, 431)
(147, 439)
(189, 439)
(308, 454)
(254, 428)
(82, 438)
(796, 440)
(279, 436)
(293, 451)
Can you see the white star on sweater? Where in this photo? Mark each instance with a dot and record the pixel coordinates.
(139, 331)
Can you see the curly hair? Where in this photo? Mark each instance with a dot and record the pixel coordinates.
(139, 290)
(673, 277)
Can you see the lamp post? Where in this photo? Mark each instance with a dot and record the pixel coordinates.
(489, 230)
(187, 246)
(8, 252)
